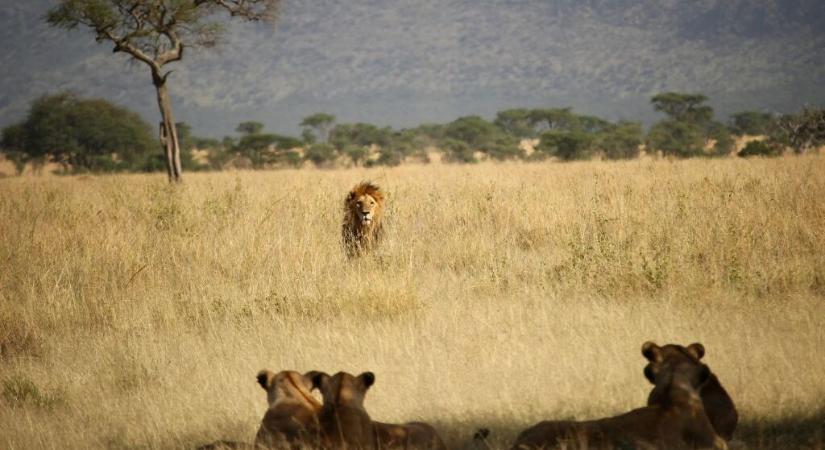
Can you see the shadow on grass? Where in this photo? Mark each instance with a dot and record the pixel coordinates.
(792, 432)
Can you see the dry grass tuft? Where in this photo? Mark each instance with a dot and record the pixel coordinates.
(136, 314)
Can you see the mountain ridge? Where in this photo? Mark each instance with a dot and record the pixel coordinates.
(432, 61)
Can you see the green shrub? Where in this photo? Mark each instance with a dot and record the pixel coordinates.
(760, 148)
(20, 391)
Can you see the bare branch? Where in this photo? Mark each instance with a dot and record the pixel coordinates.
(173, 54)
(253, 10)
(123, 45)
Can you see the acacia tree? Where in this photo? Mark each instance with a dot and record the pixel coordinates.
(321, 124)
(155, 33)
(804, 130)
(683, 107)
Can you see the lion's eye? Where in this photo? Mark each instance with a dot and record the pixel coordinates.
(359, 204)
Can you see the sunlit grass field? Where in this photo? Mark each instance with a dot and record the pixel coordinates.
(134, 314)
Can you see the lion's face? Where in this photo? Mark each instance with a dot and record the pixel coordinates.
(364, 210)
(365, 207)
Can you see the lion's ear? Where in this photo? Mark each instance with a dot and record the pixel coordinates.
(310, 378)
(265, 378)
(318, 378)
(697, 350)
(652, 352)
(367, 379)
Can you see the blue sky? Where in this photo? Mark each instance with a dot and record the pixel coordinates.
(402, 63)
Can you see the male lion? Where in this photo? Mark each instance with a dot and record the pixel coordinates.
(344, 422)
(679, 422)
(363, 212)
(292, 418)
(718, 404)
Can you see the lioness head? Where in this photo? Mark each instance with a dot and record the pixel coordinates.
(364, 204)
(285, 385)
(670, 356)
(680, 384)
(342, 388)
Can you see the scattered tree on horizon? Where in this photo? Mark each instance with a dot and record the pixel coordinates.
(321, 154)
(752, 123)
(689, 127)
(316, 128)
(683, 107)
(565, 145)
(13, 146)
(802, 131)
(264, 148)
(156, 33)
(517, 122)
(621, 141)
(553, 119)
(80, 135)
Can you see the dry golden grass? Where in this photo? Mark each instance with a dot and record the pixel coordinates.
(136, 315)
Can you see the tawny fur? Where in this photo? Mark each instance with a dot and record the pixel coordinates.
(291, 421)
(678, 423)
(718, 405)
(344, 423)
(362, 229)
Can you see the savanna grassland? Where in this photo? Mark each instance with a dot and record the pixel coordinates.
(134, 314)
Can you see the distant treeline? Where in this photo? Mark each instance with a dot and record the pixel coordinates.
(93, 135)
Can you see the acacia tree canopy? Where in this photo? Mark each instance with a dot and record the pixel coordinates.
(155, 33)
(683, 107)
(317, 127)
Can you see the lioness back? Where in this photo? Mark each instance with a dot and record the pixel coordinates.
(717, 402)
(344, 423)
(291, 421)
(678, 423)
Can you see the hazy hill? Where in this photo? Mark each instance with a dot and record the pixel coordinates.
(402, 63)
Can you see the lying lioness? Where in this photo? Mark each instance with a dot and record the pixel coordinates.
(679, 422)
(292, 418)
(290, 422)
(412, 435)
(717, 403)
(344, 422)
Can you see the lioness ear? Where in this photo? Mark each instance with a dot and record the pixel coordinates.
(317, 378)
(652, 352)
(697, 350)
(367, 378)
(310, 376)
(265, 378)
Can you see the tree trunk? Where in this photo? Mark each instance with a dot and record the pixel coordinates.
(168, 130)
